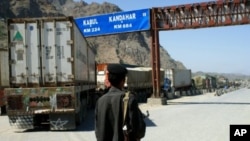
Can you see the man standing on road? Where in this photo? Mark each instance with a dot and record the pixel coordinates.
(109, 109)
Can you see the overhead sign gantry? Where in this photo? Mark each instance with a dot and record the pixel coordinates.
(192, 16)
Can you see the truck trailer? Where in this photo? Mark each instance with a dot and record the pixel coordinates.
(138, 80)
(4, 78)
(206, 83)
(178, 80)
(101, 75)
(51, 72)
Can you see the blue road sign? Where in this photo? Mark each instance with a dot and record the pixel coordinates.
(120, 22)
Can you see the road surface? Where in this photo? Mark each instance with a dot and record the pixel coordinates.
(190, 118)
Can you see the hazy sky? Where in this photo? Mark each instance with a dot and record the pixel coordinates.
(217, 49)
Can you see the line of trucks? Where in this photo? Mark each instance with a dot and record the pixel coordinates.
(49, 75)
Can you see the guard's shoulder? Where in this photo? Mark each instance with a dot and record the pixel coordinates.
(131, 95)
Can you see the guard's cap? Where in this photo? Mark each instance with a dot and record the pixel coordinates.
(116, 69)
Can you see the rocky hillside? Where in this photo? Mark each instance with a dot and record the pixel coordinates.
(129, 48)
(230, 76)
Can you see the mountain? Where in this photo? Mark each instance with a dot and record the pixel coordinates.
(230, 76)
(130, 48)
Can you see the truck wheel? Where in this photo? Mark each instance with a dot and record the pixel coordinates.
(81, 115)
(78, 118)
(2, 110)
(144, 96)
(84, 108)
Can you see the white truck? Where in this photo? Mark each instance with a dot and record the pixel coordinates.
(138, 80)
(177, 80)
(52, 73)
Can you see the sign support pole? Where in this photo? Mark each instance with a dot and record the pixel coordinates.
(155, 60)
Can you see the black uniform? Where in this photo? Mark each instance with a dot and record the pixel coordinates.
(109, 118)
(109, 111)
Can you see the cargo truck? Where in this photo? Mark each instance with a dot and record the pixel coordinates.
(101, 75)
(4, 78)
(52, 73)
(177, 80)
(206, 83)
(138, 80)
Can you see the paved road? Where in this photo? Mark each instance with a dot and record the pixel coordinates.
(191, 118)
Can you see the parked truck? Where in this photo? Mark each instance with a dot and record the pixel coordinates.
(206, 83)
(177, 80)
(52, 73)
(138, 80)
(101, 75)
(4, 78)
(222, 82)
